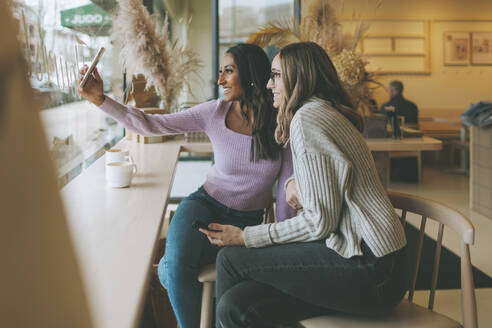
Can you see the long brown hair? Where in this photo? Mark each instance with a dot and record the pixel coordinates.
(308, 72)
(254, 71)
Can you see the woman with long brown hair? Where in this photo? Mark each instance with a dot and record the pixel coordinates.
(239, 185)
(345, 251)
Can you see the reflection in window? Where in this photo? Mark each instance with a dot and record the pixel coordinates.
(58, 37)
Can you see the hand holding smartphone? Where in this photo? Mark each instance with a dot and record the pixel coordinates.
(92, 67)
(197, 224)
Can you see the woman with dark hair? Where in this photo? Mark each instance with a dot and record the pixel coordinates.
(345, 251)
(239, 185)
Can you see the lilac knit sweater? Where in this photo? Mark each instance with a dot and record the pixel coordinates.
(233, 180)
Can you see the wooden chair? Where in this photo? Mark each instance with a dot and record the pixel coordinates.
(409, 314)
(207, 277)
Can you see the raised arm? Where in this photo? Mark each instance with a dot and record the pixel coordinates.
(191, 120)
(194, 119)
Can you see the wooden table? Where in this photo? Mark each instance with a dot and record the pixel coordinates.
(381, 149)
(409, 147)
(408, 144)
(437, 128)
(115, 230)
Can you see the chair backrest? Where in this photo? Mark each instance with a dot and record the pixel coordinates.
(451, 218)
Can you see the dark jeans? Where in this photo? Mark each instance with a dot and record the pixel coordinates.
(281, 284)
(188, 250)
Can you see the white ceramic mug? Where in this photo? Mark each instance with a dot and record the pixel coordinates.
(119, 174)
(118, 155)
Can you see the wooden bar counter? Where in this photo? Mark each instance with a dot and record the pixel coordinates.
(114, 231)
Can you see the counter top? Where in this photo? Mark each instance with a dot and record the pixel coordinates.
(114, 231)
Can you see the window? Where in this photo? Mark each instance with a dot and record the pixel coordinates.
(59, 36)
(239, 18)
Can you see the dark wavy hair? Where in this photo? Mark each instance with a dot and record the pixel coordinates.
(254, 72)
(307, 72)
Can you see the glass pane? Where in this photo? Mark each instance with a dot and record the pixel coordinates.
(59, 36)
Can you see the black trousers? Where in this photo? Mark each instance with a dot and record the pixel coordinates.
(282, 284)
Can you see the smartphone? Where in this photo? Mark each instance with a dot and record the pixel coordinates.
(91, 67)
(197, 224)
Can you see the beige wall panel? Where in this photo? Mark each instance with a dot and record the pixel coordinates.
(418, 9)
(377, 46)
(404, 28)
(447, 87)
(396, 64)
(412, 46)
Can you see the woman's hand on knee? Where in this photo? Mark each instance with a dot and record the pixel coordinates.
(226, 235)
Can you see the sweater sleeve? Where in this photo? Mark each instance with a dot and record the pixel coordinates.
(194, 119)
(322, 182)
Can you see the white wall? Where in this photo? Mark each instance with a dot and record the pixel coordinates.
(447, 87)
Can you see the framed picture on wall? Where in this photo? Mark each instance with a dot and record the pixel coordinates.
(456, 48)
(481, 53)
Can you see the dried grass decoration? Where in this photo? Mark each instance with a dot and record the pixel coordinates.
(147, 50)
(321, 25)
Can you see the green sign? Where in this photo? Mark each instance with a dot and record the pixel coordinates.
(86, 18)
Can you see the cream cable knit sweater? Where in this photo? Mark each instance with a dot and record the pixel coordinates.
(343, 199)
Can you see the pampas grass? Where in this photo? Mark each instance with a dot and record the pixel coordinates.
(165, 65)
(321, 25)
(272, 34)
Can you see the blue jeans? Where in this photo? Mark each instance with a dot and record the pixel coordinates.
(283, 284)
(188, 250)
